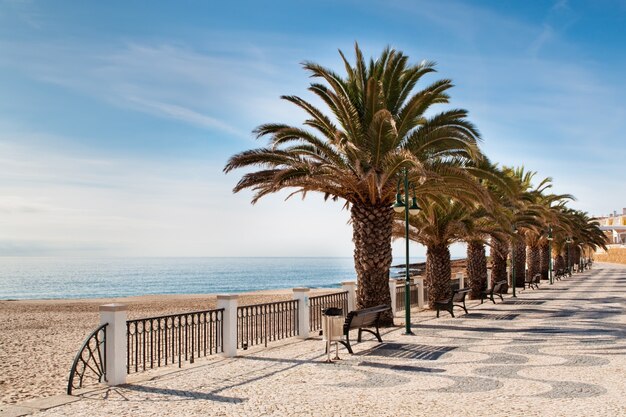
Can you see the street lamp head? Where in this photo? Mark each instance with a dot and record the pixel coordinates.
(568, 241)
(399, 206)
(515, 228)
(414, 209)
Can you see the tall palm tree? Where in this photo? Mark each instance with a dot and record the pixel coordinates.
(526, 217)
(436, 226)
(499, 254)
(586, 234)
(379, 124)
(581, 230)
(544, 208)
(488, 226)
(496, 230)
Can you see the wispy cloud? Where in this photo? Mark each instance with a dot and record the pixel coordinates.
(209, 89)
(538, 43)
(183, 114)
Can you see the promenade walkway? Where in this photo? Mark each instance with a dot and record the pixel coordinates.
(556, 351)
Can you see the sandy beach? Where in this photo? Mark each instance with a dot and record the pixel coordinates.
(39, 338)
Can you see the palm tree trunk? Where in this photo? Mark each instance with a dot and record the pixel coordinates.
(576, 255)
(476, 267)
(571, 256)
(544, 259)
(499, 253)
(371, 234)
(438, 273)
(534, 257)
(519, 258)
(559, 262)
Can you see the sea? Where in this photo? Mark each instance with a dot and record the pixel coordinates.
(53, 278)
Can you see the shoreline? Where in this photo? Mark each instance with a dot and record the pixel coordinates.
(151, 297)
(39, 338)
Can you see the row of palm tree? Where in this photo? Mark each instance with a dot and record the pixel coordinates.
(378, 123)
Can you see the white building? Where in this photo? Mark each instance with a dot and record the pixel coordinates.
(614, 226)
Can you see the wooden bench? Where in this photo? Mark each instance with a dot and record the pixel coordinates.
(559, 274)
(499, 288)
(532, 282)
(457, 299)
(362, 319)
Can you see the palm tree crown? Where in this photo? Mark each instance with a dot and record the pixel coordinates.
(378, 126)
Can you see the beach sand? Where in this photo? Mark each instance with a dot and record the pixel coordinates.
(39, 338)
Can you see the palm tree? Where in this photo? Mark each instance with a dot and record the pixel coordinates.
(499, 254)
(581, 230)
(379, 125)
(526, 217)
(488, 227)
(544, 207)
(586, 234)
(476, 267)
(436, 226)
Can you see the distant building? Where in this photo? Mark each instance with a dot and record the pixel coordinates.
(614, 227)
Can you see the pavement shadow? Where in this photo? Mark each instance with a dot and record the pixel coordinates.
(167, 394)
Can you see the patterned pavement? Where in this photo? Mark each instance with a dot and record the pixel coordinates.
(557, 351)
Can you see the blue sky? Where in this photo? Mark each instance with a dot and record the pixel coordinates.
(116, 118)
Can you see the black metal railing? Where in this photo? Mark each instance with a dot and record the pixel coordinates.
(322, 302)
(400, 294)
(160, 341)
(261, 323)
(90, 361)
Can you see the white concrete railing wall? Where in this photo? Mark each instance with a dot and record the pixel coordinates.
(350, 286)
(393, 284)
(461, 277)
(229, 322)
(115, 345)
(302, 295)
(419, 281)
(392, 292)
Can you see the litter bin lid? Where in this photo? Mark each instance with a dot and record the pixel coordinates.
(332, 311)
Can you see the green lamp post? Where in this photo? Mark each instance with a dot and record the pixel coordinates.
(513, 280)
(400, 206)
(569, 270)
(550, 238)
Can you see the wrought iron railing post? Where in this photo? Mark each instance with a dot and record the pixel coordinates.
(115, 347)
(302, 296)
(229, 322)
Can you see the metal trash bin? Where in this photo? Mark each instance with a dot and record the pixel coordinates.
(332, 329)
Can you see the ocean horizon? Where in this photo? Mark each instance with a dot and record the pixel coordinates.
(23, 278)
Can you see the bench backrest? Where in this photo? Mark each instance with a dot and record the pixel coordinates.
(499, 287)
(366, 317)
(459, 295)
